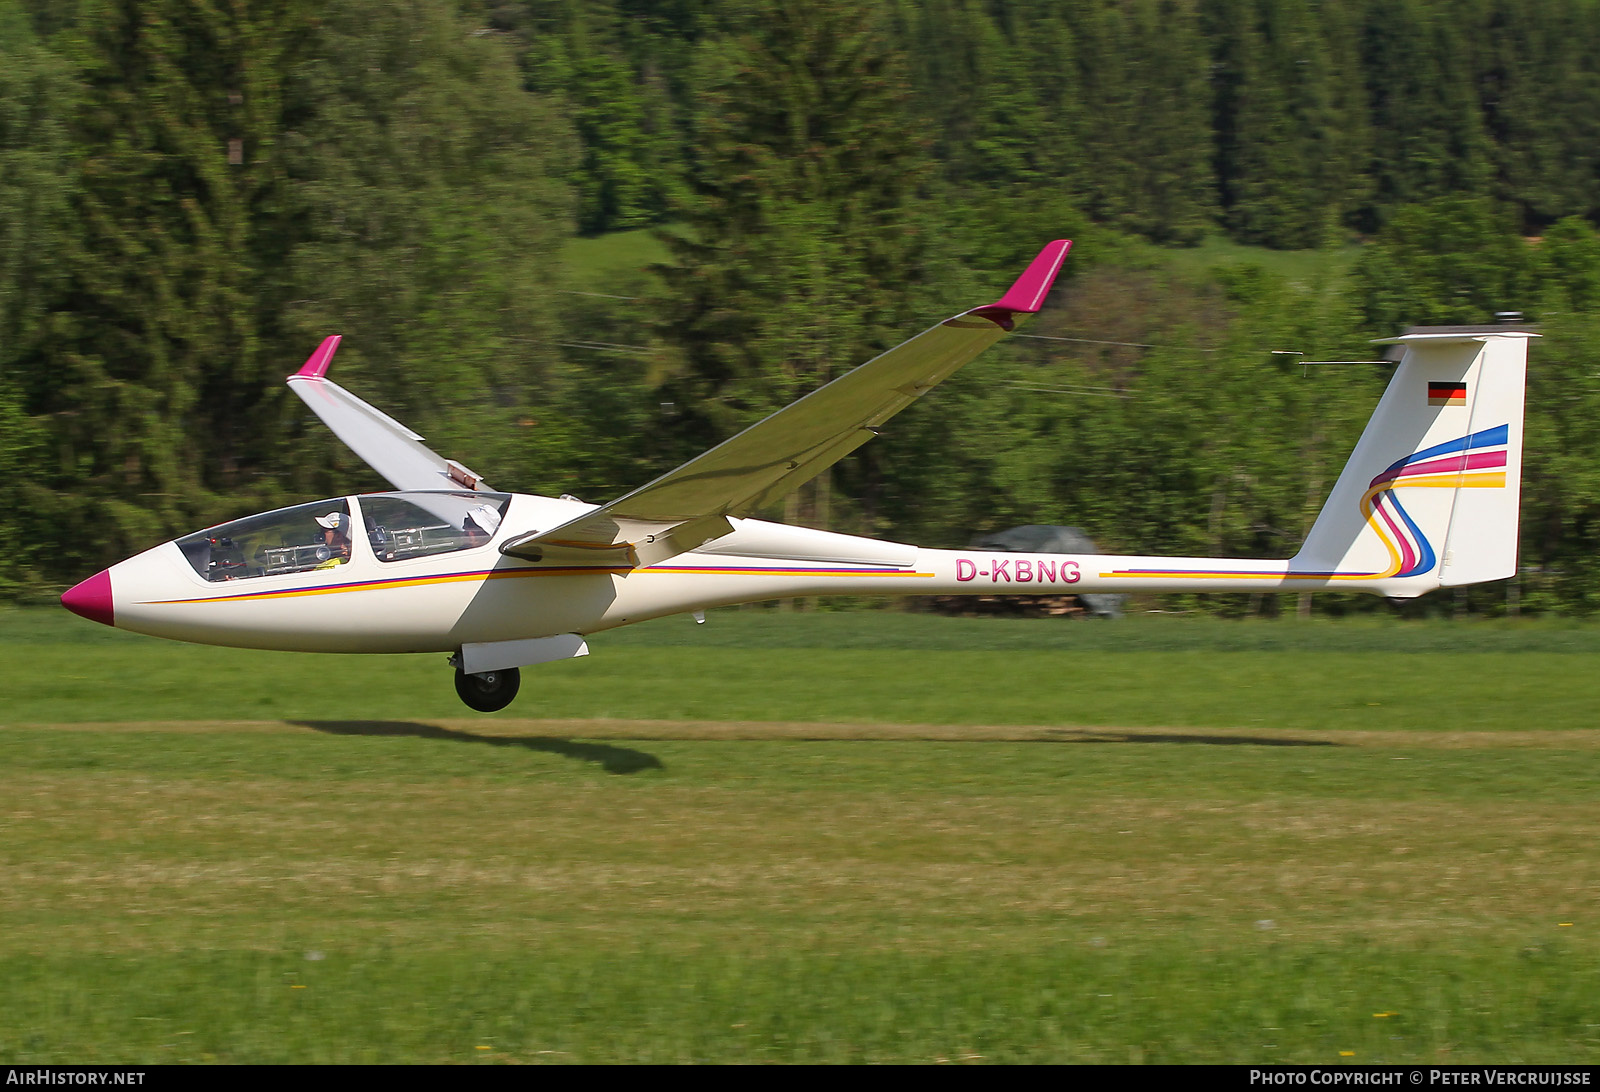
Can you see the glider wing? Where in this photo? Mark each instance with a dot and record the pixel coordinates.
(383, 443)
(690, 505)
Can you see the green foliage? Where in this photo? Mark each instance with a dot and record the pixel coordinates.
(1542, 106)
(1428, 131)
(1561, 478)
(1289, 118)
(249, 180)
(801, 231)
(160, 386)
(1204, 444)
(36, 94)
(624, 119)
(1452, 260)
(1147, 130)
(998, 91)
(191, 196)
(435, 208)
(1568, 266)
(26, 504)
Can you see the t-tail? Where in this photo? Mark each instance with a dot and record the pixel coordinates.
(1428, 499)
(1430, 495)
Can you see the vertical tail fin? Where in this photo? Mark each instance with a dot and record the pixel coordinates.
(1430, 495)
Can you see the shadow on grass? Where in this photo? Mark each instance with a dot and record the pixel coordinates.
(1090, 735)
(617, 760)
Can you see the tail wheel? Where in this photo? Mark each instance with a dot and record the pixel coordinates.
(488, 691)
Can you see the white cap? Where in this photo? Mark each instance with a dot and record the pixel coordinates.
(486, 518)
(335, 521)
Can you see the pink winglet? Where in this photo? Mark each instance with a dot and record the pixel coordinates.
(1027, 295)
(316, 365)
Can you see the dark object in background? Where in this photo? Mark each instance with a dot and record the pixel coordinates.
(1034, 539)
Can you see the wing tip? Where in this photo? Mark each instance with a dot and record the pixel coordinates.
(1027, 295)
(316, 365)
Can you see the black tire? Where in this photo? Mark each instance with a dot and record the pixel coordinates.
(489, 691)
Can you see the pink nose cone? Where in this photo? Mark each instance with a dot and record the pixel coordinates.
(91, 599)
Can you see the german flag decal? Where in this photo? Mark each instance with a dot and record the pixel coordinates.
(1447, 394)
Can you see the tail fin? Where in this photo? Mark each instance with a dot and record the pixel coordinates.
(1430, 496)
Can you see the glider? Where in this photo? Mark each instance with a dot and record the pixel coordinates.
(501, 581)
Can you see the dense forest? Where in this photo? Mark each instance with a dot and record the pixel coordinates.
(194, 192)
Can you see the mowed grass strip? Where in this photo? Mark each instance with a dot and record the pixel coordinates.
(509, 731)
(408, 891)
(809, 838)
(561, 1002)
(864, 668)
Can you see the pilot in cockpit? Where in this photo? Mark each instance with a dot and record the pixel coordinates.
(480, 525)
(336, 536)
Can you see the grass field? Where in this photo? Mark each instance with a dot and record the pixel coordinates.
(602, 263)
(1307, 268)
(815, 837)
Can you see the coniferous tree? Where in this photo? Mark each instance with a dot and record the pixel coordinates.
(35, 167)
(435, 198)
(52, 16)
(1146, 124)
(801, 232)
(36, 94)
(253, 178)
(1541, 96)
(1285, 122)
(179, 195)
(1428, 129)
(630, 154)
(1346, 143)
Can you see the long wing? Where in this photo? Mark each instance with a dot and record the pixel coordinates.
(383, 443)
(691, 505)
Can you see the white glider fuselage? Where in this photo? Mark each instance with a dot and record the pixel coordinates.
(475, 595)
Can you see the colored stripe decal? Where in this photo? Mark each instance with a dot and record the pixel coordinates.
(571, 570)
(1456, 464)
(1489, 437)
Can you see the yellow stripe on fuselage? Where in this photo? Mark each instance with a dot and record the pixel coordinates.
(504, 574)
(1476, 480)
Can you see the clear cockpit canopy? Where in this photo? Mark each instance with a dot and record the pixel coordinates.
(290, 540)
(397, 526)
(407, 525)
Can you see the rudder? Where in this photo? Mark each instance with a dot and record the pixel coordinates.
(1447, 434)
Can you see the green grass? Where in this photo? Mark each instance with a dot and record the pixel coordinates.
(259, 857)
(1308, 268)
(1061, 1003)
(601, 263)
(601, 258)
(876, 667)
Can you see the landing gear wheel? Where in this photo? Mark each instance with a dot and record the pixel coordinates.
(489, 691)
